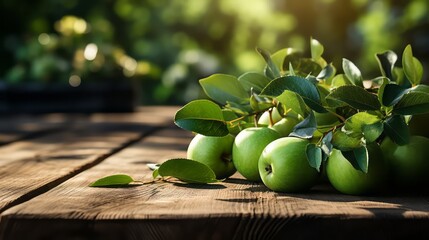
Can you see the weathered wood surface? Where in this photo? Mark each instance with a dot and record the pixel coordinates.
(233, 209)
(18, 127)
(34, 165)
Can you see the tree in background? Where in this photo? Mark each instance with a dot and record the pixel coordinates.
(167, 45)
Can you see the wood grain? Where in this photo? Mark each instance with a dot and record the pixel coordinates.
(18, 127)
(233, 209)
(32, 166)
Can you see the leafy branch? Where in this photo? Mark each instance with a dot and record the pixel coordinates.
(310, 89)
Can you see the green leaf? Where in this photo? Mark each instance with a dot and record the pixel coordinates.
(355, 97)
(187, 170)
(312, 79)
(240, 109)
(302, 86)
(291, 60)
(202, 116)
(419, 70)
(352, 72)
(117, 180)
(279, 56)
(155, 173)
(420, 88)
(228, 116)
(340, 80)
(392, 93)
(153, 166)
(414, 102)
(378, 81)
(314, 156)
(291, 71)
(364, 124)
(358, 158)
(316, 49)
(396, 128)
(255, 81)
(344, 142)
(305, 128)
(327, 72)
(324, 91)
(380, 93)
(271, 68)
(223, 88)
(386, 61)
(373, 131)
(327, 144)
(346, 111)
(359, 119)
(293, 101)
(296, 64)
(400, 78)
(260, 103)
(413, 69)
(305, 67)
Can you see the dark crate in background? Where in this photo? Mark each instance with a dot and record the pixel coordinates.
(49, 98)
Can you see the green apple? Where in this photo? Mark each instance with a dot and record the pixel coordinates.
(283, 125)
(248, 146)
(215, 152)
(265, 117)
(349, 180)
(419, 125)
(409, 164)
(284, 167)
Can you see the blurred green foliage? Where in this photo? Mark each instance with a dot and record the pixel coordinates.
(168, 45)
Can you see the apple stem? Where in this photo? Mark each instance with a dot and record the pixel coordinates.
(270, 113)
(226, 158)
(255, 120)
(158, 179)
(337, 115)
(255, 115)
(240, 127)
(269, 169)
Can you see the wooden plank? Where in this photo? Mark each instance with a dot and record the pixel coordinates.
(33, 166)
(14, 128)
(228, 210)
(17, 127)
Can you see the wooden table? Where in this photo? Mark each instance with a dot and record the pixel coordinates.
(47, 162)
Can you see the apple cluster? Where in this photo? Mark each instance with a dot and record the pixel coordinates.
(300, 123)
(269, 155)
(264, 153)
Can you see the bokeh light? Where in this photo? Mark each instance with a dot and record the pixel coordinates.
(165, 46)
(90, 52)
(75, 80)
(44, 39)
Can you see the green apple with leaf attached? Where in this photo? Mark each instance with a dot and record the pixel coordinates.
(284, 167)
(248, 146)
(347, 179)
(283, 125)
(215, 152)
(409, 164)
